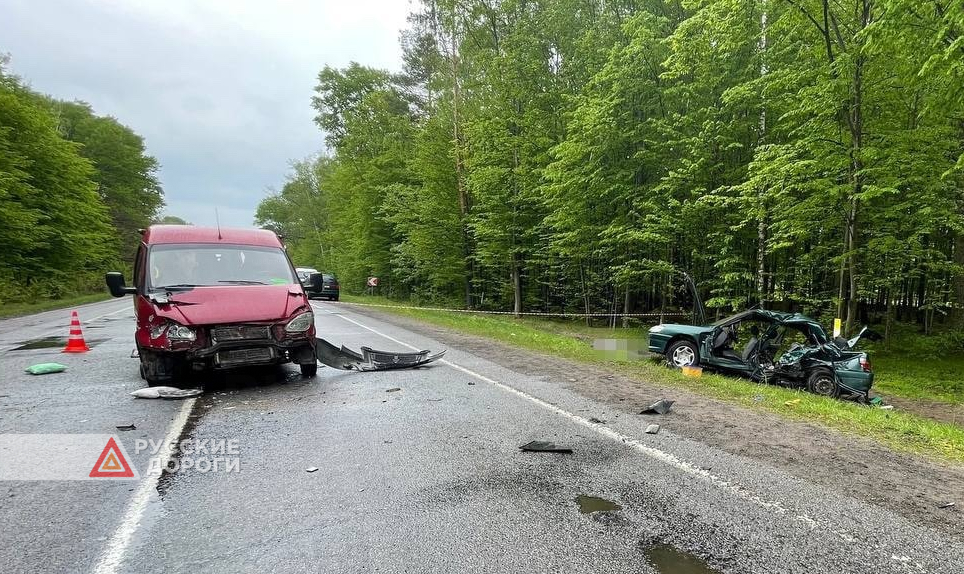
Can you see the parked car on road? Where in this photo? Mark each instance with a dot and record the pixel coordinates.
(769, 346)
(216, 298)
(304, 273)
(322, 285)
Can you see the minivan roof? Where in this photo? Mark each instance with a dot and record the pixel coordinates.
(159, 234)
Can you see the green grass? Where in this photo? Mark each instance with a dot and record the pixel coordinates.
(19, 309)
(899, 430)
(912, 377)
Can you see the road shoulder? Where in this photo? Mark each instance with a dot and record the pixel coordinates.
(910, 485)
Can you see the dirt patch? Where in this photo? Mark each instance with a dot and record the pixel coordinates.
(907, 484)
(937, 410)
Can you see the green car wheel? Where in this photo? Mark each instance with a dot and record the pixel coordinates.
(822, 382)
(682, 354)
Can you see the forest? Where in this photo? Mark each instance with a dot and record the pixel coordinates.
(575, 155)
(74, 189)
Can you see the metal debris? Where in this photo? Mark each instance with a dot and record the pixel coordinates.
(652, 429)
(544, 446)
(946, 505)
(370, 359)
(126, 427)
(392, 390)
(311, 469)
(660, 407)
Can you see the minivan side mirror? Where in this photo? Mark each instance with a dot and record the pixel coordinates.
(115, 282)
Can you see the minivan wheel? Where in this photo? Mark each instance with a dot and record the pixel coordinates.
(309, 370)
(159, 369)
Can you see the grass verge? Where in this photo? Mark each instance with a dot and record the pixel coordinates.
(18, 309)
(899, 430)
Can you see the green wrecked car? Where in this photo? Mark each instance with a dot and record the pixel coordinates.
(787, 349)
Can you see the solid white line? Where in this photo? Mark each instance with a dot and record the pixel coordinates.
(113, 555)
(652, 452)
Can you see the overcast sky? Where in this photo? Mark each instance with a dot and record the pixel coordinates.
(219, 89)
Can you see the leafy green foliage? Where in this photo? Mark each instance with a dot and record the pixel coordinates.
(73, 189)
(576, 154)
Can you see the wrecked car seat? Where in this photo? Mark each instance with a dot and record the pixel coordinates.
(752, 344)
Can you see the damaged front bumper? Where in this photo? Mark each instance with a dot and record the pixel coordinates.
(370, 359)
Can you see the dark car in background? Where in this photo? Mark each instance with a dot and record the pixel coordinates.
(324, 285)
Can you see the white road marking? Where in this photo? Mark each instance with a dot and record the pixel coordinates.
(652, 452)
(131, 309)
(113, 555)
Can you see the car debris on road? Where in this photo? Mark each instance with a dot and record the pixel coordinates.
(660, 407)
(165, 393)
(544, 446)
(370, 359)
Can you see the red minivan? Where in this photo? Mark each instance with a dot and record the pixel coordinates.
(216, 298)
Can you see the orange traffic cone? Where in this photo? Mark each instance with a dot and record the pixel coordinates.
(75, 343)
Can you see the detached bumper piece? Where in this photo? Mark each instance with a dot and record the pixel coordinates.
(370, 359)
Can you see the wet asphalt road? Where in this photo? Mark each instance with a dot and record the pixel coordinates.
(428, 478)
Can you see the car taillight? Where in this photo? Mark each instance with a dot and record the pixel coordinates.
(865, 364)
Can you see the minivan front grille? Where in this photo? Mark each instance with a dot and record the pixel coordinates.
(240, 333)
(244, 356)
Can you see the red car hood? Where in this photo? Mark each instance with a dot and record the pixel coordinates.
(233, 304)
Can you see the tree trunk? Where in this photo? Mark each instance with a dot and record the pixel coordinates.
(464, 202)
(516, 286)
(957, 314)
(626, 308)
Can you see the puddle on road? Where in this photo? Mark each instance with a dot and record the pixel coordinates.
(588, 504)
(49, 343)
(44, 343)
(667, 559)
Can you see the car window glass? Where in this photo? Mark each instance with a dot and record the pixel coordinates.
(218, 265)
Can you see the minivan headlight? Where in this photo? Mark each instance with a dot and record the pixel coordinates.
(174, 331)
(301, 323)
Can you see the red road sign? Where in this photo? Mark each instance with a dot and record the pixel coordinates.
(373, 281)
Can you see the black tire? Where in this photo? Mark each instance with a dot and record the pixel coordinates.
(309, 369)
(335, 298)
(679, 351)
(822, 382)
(161, 370)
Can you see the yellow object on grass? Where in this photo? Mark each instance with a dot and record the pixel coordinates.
(693, 371)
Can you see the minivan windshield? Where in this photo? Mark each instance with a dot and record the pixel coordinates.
(189, 265)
